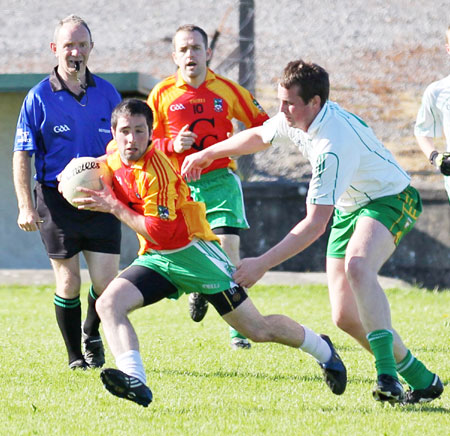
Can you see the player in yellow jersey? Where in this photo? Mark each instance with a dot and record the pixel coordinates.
(179, 254)
(193, 109)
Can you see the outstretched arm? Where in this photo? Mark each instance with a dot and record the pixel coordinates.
(246, 142)
(308, 230)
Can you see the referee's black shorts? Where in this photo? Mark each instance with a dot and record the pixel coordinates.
(66, 230)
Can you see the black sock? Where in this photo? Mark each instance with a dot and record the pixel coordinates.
(92, 322)
(68, 317)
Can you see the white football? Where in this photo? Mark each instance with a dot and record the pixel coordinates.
(85, 172)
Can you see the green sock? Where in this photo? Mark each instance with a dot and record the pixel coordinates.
(414, 372)
(381, 344)
(235, 334)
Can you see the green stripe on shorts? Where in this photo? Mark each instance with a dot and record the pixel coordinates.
(200, 267)
(397, 212)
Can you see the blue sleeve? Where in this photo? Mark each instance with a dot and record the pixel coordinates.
(27, 130)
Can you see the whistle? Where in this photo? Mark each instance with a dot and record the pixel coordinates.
(77, 66)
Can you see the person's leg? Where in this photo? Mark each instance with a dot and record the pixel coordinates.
(128, 381)
(113, 306)
(344, 310)
(231, 244)
(137, 286)
(370, 246)
(283, 330)
(68, 307)
(103, 267)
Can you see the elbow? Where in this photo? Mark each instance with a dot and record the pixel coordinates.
(320, 229)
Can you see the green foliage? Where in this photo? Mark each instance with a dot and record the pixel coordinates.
(201, 386)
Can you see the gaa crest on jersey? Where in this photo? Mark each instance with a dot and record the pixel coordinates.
(163, 212)
(255, 102)
(218, 105)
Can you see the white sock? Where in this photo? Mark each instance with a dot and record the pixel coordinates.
(316, 346)
(130, 363)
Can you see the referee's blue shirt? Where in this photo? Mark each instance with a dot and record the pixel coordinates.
(57, 125)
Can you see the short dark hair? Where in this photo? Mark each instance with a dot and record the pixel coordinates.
(192, 28)
(131, 107)
(73, 19)
(310, 78)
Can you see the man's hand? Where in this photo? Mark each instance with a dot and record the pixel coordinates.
(442, 163)
(104, 200)
(194, 164)
(28, 220)
(249, 271)
(184, 140)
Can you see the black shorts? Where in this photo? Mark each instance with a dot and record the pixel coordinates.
(226, 230)
(154, 287)
(66, 230)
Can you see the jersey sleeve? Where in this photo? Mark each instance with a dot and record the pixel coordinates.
(275, 131)
(247, 109)
(26, 131)
(429, 120)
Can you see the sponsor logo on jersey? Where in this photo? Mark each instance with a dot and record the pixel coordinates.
(61, 129)
(23, 136)
(197, 100)
(218, 105)
(176, 107)
(163, 212)
(255, 102)
(104, 130)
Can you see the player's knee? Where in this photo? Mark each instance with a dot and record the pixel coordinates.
(346, 323)
(105, 305)
(261, 333)
(356, 269)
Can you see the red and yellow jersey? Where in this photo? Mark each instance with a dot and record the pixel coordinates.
(153, 188)
(207, 109)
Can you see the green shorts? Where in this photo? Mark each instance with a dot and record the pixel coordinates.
(202, 266)
(221, 191)
(397, 212)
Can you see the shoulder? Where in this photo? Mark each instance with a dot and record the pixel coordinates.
(39, 89)
(437, 87)
(217, 79)
(104, 86)
(37, 95)
(164, 84)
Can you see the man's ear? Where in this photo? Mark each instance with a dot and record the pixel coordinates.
(53, 48)
(208, 54)
(316, 101)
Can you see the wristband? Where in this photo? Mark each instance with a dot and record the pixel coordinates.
(433, 156)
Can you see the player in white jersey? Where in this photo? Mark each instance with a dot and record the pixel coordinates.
(374, 206)
(433, 119)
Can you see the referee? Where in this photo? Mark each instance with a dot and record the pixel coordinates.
(67, 115)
